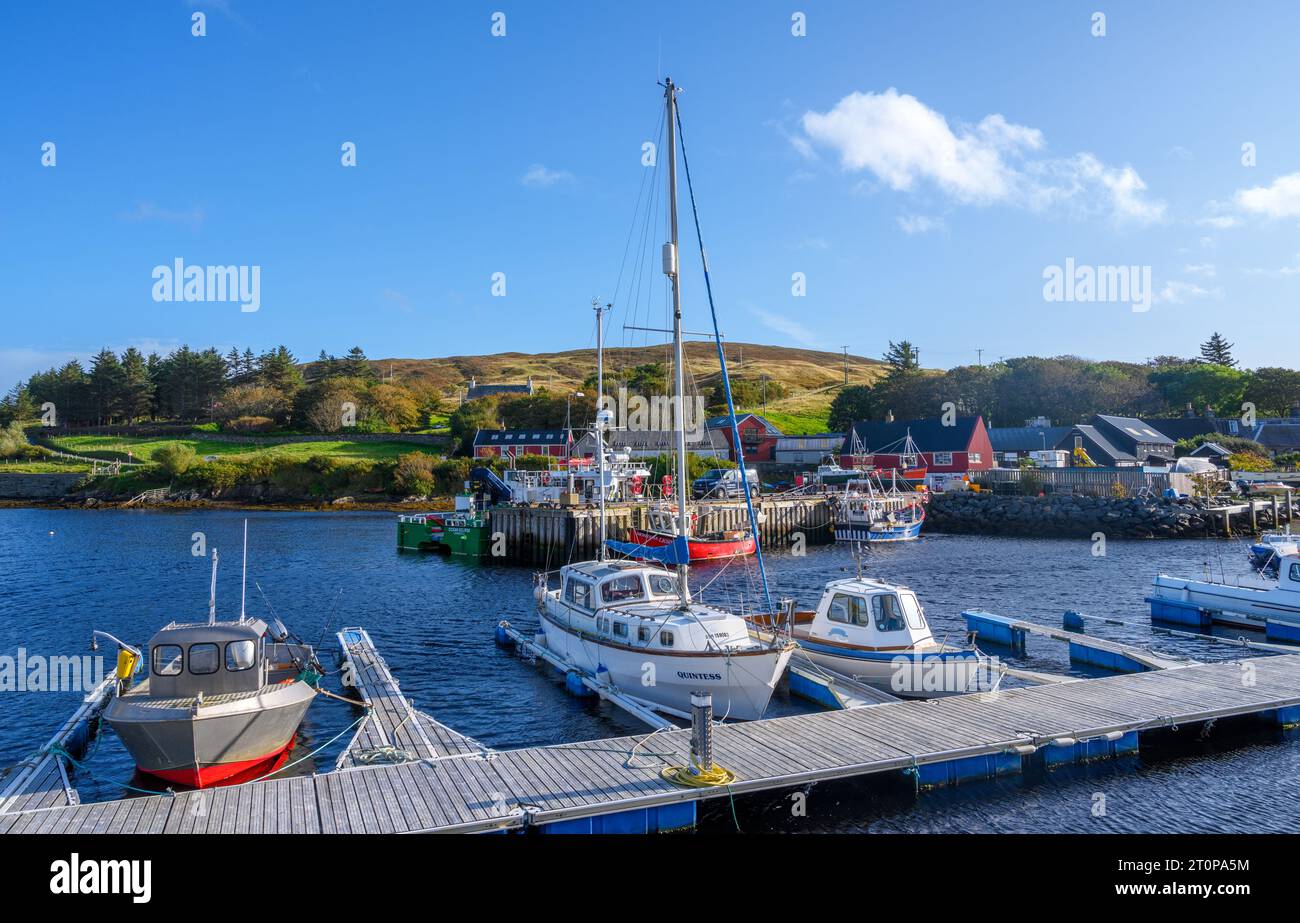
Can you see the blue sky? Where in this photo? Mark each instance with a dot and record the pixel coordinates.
(920, 164)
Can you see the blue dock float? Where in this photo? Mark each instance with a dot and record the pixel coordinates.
(1176, 612)
(1106, 746)
(989, 627)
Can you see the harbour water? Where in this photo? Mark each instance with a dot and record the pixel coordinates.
(64, 572)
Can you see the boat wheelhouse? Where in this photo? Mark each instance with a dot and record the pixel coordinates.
(877, 632)
(625, 622)
(1272, 609)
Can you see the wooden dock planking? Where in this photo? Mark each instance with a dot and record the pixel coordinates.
(456, 785)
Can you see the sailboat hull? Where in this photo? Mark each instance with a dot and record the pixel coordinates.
(701, 549)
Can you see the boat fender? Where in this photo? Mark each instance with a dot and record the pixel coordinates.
(502, 636)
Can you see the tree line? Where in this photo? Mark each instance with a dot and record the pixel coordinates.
(1069, 389)
(241, 391)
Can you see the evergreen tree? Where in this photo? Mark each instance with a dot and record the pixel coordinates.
(107, 383)
(233, 363)
(1218, 351)
(356, 365)
(137, 386)
(902, 357)
(279, 369)
(248, 365)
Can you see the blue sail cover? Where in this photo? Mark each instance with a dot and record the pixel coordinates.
(677, 552)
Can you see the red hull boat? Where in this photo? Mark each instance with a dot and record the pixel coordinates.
(703, 547)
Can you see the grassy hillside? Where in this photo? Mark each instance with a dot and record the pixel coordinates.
(141, 449)
(812, 378)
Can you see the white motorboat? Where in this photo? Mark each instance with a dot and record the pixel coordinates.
(877, 633)
(1275, 609)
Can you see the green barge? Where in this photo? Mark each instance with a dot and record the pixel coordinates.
(462, 531)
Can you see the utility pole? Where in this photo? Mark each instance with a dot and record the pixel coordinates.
(980, 354)
(846, 365)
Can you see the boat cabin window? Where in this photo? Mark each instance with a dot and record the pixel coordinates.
(666, 638)
(851, 610)
(578, 593)
(622, 589)
(204, 658)
(643, 634)
(1295, 572)
(912, 609)
(240, 655)
(889, 615)
(663, 584)
(620, 629)
(167, 659)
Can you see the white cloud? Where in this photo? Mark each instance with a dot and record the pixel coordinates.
(1222, 222)
(1200, 269)
(1281, 199)
(904, 143)
(921, 224)
(1176, 291)
(542, 177)
(148, 211)
(792, 330)
(1292, 269)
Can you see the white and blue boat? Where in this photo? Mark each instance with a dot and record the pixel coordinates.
(876, 632)
(1274, 610)
(870, 512)
(1268, 550)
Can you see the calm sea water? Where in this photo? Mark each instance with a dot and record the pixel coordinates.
(63, 572)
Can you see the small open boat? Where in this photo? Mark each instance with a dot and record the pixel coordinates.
(876, 632)
(1267, 551)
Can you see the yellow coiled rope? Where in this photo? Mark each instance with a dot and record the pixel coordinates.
(695, 777)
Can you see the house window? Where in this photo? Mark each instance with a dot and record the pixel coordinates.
(943, 458)
(1232, 427)
(974, 457)
(1078, 443)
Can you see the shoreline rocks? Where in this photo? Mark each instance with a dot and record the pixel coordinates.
(1069, 516)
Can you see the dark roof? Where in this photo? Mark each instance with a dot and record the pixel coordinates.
(724, 422)
(1209, 448)
(521, 437)
(1178, 428)
(930, 435)
(1279, 435)
(1025, 438)
(1093, 435)
(659, 440)
(1130, 430)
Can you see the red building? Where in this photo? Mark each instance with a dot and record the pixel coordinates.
(757, 436)
(515, 442)
(940, 449)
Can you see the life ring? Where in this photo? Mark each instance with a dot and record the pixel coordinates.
(636, 485)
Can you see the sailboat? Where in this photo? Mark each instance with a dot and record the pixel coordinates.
(636, 624)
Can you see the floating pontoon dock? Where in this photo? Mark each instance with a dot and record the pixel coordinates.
(616, 785)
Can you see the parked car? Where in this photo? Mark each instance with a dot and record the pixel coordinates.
(719, 483)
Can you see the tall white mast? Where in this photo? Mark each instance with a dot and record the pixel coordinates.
(212, 593)
(243, 579)
(672, 270)
(601, 413)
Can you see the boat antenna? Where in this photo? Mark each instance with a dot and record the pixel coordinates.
(212, 593)
(601, 414)
(243, 580)
(672, 270)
